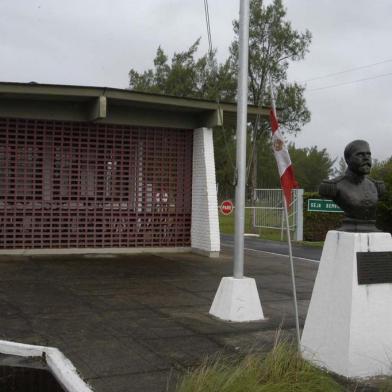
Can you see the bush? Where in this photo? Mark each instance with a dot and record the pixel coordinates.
(383, 171)
(317, 224)
(384, 212)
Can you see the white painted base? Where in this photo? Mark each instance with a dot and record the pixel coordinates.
(202, 252)
(348, 329)
(237, 300)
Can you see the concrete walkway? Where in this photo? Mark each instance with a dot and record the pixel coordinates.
(135, 323)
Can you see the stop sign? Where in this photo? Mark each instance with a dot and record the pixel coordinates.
(226, 207)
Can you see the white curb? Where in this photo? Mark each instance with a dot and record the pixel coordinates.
(60, 366)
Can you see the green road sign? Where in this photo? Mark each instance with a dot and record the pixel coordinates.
(321, 205)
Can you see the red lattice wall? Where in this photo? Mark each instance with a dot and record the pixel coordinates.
(77, 185)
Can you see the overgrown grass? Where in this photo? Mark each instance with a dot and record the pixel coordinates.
(282, 369)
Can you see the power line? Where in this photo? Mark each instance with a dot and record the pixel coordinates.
(208, 25)
(347, 70)
(207, 15)
(352, 82)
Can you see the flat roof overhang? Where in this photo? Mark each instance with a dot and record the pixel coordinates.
(116, 106)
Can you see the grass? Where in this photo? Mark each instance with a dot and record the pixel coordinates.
(226, 225)
(282, 369)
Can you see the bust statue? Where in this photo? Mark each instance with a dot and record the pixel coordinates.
(355, 193)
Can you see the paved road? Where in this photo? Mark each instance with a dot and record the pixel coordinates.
(274, 247)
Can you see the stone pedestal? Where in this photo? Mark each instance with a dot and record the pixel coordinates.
(237, 300)
(348, 328)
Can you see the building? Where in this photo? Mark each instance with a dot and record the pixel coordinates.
(94, 170)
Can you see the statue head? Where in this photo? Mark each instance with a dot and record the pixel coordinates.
(358, 157)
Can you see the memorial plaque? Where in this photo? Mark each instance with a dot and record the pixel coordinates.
(374, 267)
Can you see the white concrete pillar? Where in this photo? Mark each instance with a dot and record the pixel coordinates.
(299, 216)
(205, 236)
(348, 328)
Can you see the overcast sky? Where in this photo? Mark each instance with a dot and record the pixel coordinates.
(96, 42)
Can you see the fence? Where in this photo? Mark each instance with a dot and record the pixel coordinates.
(90, 185)
(267, 211)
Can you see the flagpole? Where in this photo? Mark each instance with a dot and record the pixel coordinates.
(237, 298)
(242, 106)
(292, 273)
(286, 214)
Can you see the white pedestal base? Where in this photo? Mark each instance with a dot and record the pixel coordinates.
(348, 328)
(237, 300)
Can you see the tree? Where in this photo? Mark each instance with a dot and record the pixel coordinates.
(383, 171)
(311, 166)
(187, 76)
(273, 44)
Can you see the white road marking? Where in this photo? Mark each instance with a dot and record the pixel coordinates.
(273, 253)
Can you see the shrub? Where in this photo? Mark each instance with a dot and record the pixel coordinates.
(317, 224)
(383, 171)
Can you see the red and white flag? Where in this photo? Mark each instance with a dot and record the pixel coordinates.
(285, 168)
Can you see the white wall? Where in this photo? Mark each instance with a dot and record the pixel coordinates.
(205, 223)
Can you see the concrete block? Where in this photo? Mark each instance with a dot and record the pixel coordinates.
(237, 300)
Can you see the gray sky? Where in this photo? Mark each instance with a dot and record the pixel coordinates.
(96, 42)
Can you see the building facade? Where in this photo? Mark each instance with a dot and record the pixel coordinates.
(95, 170)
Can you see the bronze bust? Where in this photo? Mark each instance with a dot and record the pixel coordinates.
(355, 193)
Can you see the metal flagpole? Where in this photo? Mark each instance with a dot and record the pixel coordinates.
(237, 298)
(286, 214)
(242, 106)
(292, 273)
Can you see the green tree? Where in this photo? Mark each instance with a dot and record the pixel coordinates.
(187, 76)
(383, 171)
(273, 44)
(311, 166)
